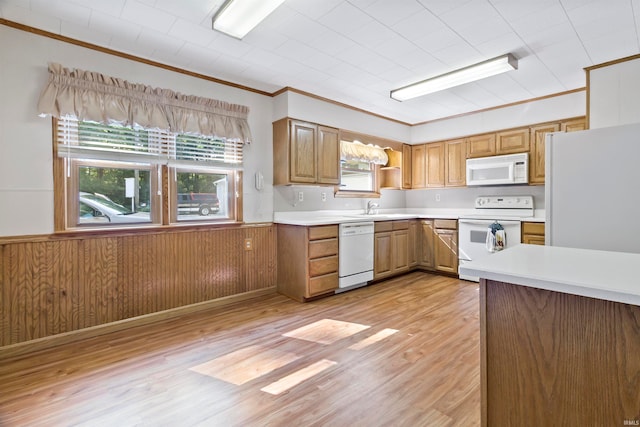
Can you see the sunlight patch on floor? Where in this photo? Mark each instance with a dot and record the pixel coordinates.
(379, 336)
(245, 364)
(285, 383)
(326, 331)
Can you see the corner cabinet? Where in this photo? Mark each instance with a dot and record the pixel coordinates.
(307, 261)
(439, 249)
(305, 153)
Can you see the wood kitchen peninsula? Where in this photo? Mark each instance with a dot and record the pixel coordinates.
(560, 336)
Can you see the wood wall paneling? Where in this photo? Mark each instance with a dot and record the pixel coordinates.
(55, 285)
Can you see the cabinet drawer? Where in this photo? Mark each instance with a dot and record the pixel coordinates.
(533, 228)
(323, 248)
(322, 284)
(320, 266)
(381, 226)
(323, 232)
(450, 224)
(400, 225)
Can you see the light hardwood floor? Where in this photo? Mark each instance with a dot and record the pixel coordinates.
(404, 352)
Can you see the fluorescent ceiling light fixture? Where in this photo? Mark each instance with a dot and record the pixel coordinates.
(237, 17)
(459, 77)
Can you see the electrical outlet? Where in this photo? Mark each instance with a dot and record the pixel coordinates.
(248, 244)
(323, 196)
(300, 196)
(437, 197)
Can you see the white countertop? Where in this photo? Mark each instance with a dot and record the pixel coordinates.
(309, 218)
(611, 276)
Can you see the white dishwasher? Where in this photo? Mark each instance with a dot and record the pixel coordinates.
(355, 246)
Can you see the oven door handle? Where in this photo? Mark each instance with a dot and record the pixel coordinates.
(486, 222)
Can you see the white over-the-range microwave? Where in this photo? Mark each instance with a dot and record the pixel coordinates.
(498, 170)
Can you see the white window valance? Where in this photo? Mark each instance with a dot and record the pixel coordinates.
(90, 96)
(356, 150)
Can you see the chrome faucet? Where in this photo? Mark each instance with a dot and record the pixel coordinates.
(372, 207)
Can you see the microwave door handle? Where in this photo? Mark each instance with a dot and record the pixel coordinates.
(512, 176)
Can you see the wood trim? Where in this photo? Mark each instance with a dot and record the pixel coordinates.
(540, 98)
(108, 51)
(113, 52)
(588, 114)
(338, 103)
(22, 348)
(613, 62)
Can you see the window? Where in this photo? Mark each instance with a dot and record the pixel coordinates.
(357, 175)
(113, 175)
(359, 169)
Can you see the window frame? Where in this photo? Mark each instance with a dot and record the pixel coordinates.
(163, 181)
(374, 194)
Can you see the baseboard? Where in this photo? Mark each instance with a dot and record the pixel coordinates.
(26, 347)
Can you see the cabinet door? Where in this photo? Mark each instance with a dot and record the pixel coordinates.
(574, 125)
(382, 264)
(456, 167)
(428, 241)
(400, 253)
(303, 152)
(414, 239)
(418, 166)
(446, 253)
(481, 145)
(537, 156)
(328, 154)
(406, 166)
(435, 164)
(512, 141)
(532, 239)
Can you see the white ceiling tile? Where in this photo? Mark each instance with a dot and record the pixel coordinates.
(78, 15)
(540, 20)
(459, 55)
(157, 20)
(392, 12)
(512, 10)
(229, 46)
(197, 54)
(474, 13)
(108, 24)
(150, 39)
(439, 7)
(313, 9)
(321, 61)
(294, 50)
(82, 32)
(372, 34)
(270, 40)
(190, 10)
(185, 30)
(419, 25)
(345, 19)
(261, 57)
(611, 46)
(17, 13)
(111, 7)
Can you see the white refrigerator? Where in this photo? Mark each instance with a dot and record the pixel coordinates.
(592, 190)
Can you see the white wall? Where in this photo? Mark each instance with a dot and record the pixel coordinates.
(540, 111)
(317, 111)
(614, 93)
(26, 177)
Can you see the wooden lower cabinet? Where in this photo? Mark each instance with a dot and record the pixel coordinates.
(533, 233)
(439, 245)
(307, 261)
(446, 245)
(391, 248)
(414, 243)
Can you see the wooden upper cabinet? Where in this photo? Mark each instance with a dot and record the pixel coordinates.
(512, 141)
(456, 168)
(328, 156)
(537, 153)
(481, 145)
(418, 166)
(574, 125)
(406, 166)
(305, 153)
(435, 164)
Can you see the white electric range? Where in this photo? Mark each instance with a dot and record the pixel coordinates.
(507, 211)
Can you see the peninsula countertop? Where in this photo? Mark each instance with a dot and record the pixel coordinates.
(611, 276)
